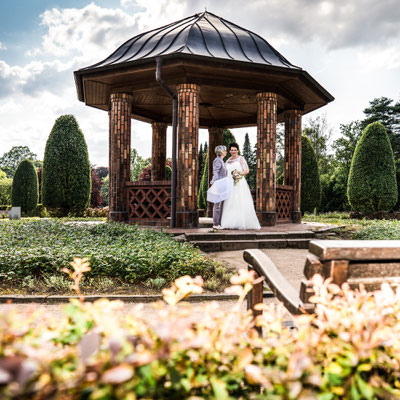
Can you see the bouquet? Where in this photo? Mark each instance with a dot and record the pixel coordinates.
(237, 176)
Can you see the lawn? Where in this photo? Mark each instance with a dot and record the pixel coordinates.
(362, 229)
(123, 258)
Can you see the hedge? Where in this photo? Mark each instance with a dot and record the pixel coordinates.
(372, 184)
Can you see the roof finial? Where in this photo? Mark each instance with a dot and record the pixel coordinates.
(205, 9)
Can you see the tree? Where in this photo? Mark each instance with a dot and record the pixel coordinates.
(5, 189)
(372, 182)
(10, 161)
(104, 190)
(310, 183)
(319, 133)
(227, 139)
(96, 198)
(25, 187)
(66, 181)
(201, 163)
(101, 172)
(137, 164)
(384, 111)
(251, 157)
(202, 198)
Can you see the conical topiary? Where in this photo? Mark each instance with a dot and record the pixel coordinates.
(66, 179)
(25, 187)
(310, 182)
(372, 182)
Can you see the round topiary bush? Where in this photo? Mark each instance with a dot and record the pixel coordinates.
(66, 180)
(25, 187)
(310, 182)
(372, 182)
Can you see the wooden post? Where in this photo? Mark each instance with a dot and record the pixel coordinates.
(159, 150)
(293, 159)
(215, 135)
(188, 137)
(120, 154)
(255, 296)
(266, 158)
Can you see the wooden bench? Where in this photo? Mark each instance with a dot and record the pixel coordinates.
(367, 262)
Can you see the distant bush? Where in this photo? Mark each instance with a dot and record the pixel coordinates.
(347, 350)
(66, 179)
(372, 184)
(25, 187)
(310, 183)
(5, 188)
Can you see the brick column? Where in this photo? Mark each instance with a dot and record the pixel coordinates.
(187, 168)
(120, 154)
(266, 158)
(293, 159)
(214, 139)
(159, 151)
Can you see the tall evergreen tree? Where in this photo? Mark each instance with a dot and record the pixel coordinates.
(227, 139)
(66, 181)
(372, 182)
(310, 183)
(202, 198)
(201, 163)
(385, 111)
(25, 187)
(250, 156)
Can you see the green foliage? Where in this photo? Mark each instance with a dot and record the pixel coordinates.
(66, 181)
(348, 349)
(5, 188)
(10, 161)
(384, 111)
(310, 183)
(227, 139)
(250, 155)
(202, 198)
(334, 190)
(378, 230)
(114, 250)
(104, 190)
(372, 182)
(138, 163)
(25, 187)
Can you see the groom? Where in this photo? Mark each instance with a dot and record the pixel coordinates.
(219, 172)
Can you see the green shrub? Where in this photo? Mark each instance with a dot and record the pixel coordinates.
(5, 190)
(66, 180)
(310, 183)
(202, 199)
(347, 350)
(372, 184)
(25, 187)
(40, 211)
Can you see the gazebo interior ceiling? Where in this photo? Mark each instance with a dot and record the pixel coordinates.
(231, 65)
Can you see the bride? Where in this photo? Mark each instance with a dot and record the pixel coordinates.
(238, 211)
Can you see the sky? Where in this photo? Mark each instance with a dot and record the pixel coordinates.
(351, 47)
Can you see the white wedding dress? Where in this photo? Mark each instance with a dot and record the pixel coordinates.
(238, 211)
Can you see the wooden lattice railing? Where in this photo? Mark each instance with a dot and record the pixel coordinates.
(149, 203)
(284, 203)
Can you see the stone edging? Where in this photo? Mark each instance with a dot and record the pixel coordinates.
(19, 299)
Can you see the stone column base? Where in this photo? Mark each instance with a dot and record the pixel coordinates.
(187, 219)
(296, 217)
(118, 216)
(267, 218)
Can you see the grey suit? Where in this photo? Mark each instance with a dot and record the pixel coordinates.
(219, 172)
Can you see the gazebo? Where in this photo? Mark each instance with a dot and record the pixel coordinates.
(202, 71)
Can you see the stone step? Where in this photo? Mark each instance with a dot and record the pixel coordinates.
(209, 246)
(249, 236)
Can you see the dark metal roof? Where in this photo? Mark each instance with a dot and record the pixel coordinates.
(202, 34)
